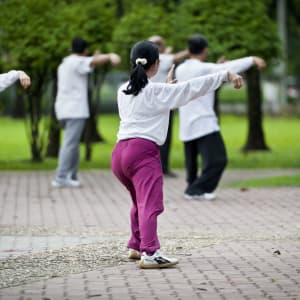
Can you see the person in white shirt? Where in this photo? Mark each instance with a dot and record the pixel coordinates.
(198, 124)
(166, 60)
(144, 109)
(9, 78)
(71, 106)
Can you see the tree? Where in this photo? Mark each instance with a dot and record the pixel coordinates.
(234, 28)
(141, 20)
(42, 31)
(29, 36)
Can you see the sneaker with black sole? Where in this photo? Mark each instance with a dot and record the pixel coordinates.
(133, 254)
(156, 261)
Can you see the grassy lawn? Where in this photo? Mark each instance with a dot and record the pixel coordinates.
(277, 181)
(282, 135)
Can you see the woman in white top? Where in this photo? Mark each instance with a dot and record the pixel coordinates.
(144, 108)
(7, 79)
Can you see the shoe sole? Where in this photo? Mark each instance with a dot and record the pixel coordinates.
(157, 266)
(134, 256)
(199, 198)
(60, 186)
(190, 197)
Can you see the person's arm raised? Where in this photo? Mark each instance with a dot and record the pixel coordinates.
(101, 59)
(11, 77)
(170, 96)
(237, 65)
(180, 56)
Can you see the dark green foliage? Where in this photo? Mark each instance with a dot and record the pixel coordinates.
(234, 28)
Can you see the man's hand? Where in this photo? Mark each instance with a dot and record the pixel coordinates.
(24, 79)
(261, 64)
(170, 75)
(168, 50)
(236, 80)
(114, 58)
(221, 60)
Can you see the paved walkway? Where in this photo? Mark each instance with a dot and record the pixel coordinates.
(71, 244)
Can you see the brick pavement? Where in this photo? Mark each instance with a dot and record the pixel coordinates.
(241, 231)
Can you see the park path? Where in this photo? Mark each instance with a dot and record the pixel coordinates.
(71, 243)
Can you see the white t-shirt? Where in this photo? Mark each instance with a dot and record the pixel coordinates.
(147, 114)
(72, 87)
(165, 63)
(8, 79)
(198, 118)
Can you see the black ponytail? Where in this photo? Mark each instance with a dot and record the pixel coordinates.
(143, 55)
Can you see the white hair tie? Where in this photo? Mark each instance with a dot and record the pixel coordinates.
(141, 61)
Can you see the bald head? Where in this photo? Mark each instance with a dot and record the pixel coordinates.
(158, 41)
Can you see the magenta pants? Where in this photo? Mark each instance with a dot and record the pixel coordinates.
(136, 163)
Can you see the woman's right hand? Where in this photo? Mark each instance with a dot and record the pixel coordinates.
(236, 80)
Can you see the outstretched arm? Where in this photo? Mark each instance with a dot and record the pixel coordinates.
(237, 65)
(11, 77)
(101, 59)
(180, 56)
(170, 96)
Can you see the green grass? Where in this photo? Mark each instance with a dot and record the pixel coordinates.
(282, 135)
(277, 181)
(228, 95)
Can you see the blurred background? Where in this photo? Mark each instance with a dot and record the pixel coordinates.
(260, 122)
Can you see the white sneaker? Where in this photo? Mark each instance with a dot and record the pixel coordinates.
(57, 184)
(156, 261)
(133, 254)
(205, 196)
(73, 182)
(65, 183)
(209, 196)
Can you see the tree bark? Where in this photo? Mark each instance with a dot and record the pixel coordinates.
(35, 146)
(19, 111)
(255, 138)
(90, 133)
(217, 104)
(54, 128)
(35, 94)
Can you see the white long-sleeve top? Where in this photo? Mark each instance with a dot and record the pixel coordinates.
(198, 118)
(8, 79)
(72, 87)
(165, 63)
(147, 114)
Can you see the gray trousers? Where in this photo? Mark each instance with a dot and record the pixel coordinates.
(68, 159)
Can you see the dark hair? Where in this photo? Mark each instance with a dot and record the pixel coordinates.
(197, 43)
(79, 45)
(138, 78)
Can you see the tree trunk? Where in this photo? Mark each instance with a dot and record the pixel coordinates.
(255, 139)
(217, 104)
(36, 151)
(90, 133)
(34, 110)
(19, 107)
(54, 128)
